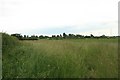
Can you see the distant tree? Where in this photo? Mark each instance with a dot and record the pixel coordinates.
(87, 37)
(19, 36)
(79, 36)
(60, 35)
(71, 36)
(53, 36)
(41, 37)
(103, 36)
(36, 36)
(91, 35)
(25, 36)
(64, 35)
(33, 37)
(46, 37)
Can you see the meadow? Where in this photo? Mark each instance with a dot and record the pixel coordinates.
(67, 58)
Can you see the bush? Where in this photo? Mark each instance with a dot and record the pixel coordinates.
(8, 42)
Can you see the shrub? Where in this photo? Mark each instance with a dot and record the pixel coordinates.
(8, 42)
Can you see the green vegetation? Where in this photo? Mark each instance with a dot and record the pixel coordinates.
(59, 37)
(67, 58)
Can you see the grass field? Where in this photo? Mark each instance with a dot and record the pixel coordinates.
(73, 58)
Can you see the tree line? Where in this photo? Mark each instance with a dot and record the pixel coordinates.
(57, 37)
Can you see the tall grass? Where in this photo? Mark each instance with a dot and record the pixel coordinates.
(81, 58)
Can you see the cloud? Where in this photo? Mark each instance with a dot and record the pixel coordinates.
(56, 16)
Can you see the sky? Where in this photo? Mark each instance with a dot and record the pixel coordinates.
(47, 17)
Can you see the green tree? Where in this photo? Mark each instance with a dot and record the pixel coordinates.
(19, 36)
(91, 35)
(64, 35)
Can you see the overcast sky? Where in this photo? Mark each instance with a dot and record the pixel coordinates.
(48, 17)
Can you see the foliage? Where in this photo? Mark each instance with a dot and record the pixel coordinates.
(59, 37)
(8, 42)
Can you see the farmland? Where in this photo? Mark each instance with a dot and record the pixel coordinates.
(67, 58)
